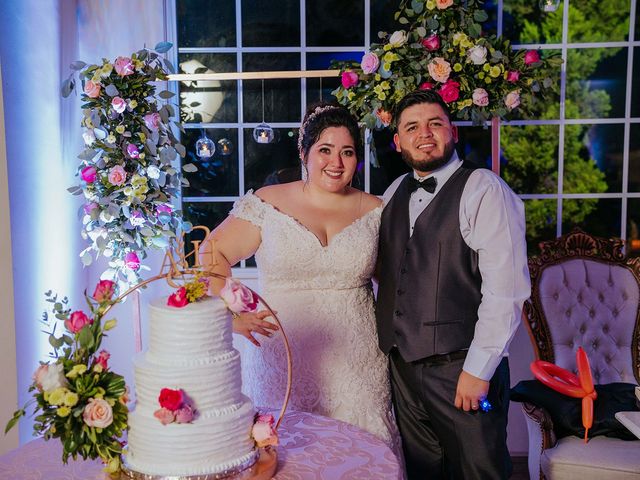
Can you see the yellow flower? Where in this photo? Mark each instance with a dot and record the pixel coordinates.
(486, 67)
(111, 138)
(100, 393)
(97, 368)
(377, 77)
(386, 66)
(350, 95)
(382, 96)
(387, 47)
(56, 397)
(495, 71)
(142, 137)
(109, 324)
(70, 399)
(390, 57)
(113, 465)
(487, 80)
(529, 81)
(457, 67)
(106, 70)
(466, 43)
(77, 370)
(481, 75)
(465, 103)
(459, 37)
(133, 103)
(63, 412)
(138, 180)
(431, 4)
(120, 129)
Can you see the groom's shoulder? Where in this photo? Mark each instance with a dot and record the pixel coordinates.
(391, 189)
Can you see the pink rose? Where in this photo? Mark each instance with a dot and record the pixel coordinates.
(349, 79)
(513, 76)
(178, 299)
(152, 120)
(92, 89)
(184, 414)
(162, 208)
(131, 261)
(49, 377)
(171, 399)
(426, 86)
(165, 416)
(480, 97)
(531, 56)
(512, 100)
(89, 174)
(123, 66)
(98, 413)
(384, 116)
(119, 104)
(450, 91)
(76, 321)
(104, 290)
(431, 43)
(117, 175)
(263, 432)
(439, 69)
(442, 4)
(103, 359)
(237, 297)
(369, 63)
(133, 151)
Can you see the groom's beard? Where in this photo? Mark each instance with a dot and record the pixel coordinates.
(426, 166)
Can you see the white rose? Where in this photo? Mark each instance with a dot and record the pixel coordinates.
(153, 172)
(52, 377)
(398, 38)
(89, 137)
(477, 54)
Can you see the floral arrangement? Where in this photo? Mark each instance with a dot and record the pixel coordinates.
(77, 398)
(190, 292)
(237, 297)
(175, 407)
(442, 48)
(263, 431)
(126, 171)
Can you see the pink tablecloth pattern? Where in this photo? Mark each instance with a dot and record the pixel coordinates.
(311, 447)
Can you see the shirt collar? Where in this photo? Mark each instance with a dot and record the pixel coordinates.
(443, 173)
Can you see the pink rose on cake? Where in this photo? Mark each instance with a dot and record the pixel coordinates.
(175, 406)
(237, 297)
(171, 399)
(263, 432)
(178, 299)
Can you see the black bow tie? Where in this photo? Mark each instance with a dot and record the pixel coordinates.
(429, 184)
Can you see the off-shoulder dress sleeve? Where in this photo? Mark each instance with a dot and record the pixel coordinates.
(250, 208)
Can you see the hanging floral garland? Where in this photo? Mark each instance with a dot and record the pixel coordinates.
(443, 49)
(127, 173)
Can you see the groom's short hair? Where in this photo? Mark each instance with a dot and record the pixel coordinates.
(417, 97)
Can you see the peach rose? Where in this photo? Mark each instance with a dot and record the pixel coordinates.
(480, 97)
(439, 69)
(92, 89)
(512, 100)
(117, 175)
(98, 413)
(442, 4)
(165, 416)
(119, 104)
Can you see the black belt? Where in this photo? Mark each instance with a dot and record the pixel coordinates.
(444, 357)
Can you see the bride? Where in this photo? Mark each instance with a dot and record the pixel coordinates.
(315, 242)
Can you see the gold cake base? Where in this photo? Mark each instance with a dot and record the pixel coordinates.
(261, 467)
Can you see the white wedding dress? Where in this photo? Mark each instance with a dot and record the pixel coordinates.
(323, 297)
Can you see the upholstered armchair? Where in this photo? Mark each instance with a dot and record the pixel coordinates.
(585, 292)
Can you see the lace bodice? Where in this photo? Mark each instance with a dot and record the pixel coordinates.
(324, 301)
(291, 256)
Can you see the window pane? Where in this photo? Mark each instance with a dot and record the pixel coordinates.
(529, 158)
(271, 163)
(335, 22)
(596, 82)
(382, 20)
(218, 175)
(202, 23)
(637, 27)
(597, 216)
(598, 21)
(208, 101)
(633, 227)
(474, 145)
(281, 96)
(525, 22)
(387, 164)
(635, 83)
(322, 61)
(634, 158)
(541, 217)
(272, 24)
(586, 160)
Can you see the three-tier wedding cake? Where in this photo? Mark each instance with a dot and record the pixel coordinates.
(204, 425)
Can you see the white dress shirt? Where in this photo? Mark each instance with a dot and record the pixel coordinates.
(492, 224)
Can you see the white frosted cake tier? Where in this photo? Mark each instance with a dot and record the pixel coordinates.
(190, 349)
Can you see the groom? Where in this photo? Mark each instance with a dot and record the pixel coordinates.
(452, 271)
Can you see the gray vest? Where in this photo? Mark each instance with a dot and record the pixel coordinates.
(429, 290)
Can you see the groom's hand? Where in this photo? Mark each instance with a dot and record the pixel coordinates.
(470, 391)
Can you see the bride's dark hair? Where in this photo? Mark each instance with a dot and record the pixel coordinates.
(320, 116)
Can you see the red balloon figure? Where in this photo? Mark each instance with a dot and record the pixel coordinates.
(567, 383)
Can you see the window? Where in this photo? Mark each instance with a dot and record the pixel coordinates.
(576, 163)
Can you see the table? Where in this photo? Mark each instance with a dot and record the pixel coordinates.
(311, 447)
(631, 420)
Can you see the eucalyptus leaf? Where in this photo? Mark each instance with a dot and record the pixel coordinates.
(421, 31)
(111, 90)
(166, 94)
(87, 154)
(163, 47)
(146, 231)
(164, 115)
(100, 133)
(189, 167)
(67, 87)
(432, 23)
(403, 21)
(168, 65)
(74, 190)
(180, 149)
(151, 146)
(77, 65)
(86, 258)
(480, 15)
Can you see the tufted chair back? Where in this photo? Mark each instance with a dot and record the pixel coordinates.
(586, 293)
